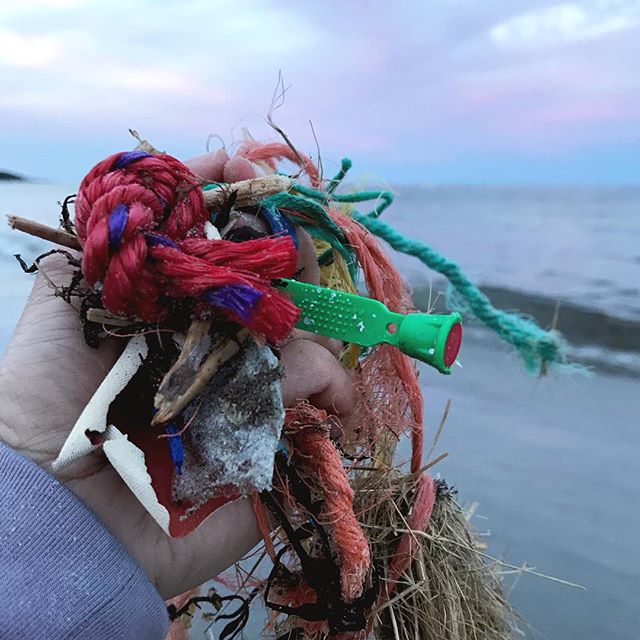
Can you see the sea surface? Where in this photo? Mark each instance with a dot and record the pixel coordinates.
(552, 462)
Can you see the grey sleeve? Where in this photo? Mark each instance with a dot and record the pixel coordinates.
(63, 575)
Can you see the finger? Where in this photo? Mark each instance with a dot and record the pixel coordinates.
(332, 345)
(309, 271)
(307, 259)
(239, 169)
(209, 166)
(311, 372)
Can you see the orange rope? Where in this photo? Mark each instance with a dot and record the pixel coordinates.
(263, 525)
(312, 442)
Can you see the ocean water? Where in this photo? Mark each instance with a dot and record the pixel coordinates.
(576, 245)
(552, 462)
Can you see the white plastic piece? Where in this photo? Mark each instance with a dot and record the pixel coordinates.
(94, 416)
(211, 232)
(128, 461)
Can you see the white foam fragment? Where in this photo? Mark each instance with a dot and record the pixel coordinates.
(234, 428)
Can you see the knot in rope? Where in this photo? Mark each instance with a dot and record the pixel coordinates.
(141, 221)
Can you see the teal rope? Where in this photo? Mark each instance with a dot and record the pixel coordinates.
(345, 165)
(538, 348)
(321, 226)
(384, 198)
(300, 205)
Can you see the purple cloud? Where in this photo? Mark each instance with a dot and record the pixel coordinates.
(409, 83)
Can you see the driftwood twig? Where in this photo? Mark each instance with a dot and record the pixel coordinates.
(102, 316)
(193, 369)
(248, 192)
(39, 230)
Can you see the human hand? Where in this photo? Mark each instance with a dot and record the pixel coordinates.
(47, 376)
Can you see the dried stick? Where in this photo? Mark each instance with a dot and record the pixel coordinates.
(187, 377)
(143, 145)
(33, 228)
(249, 192)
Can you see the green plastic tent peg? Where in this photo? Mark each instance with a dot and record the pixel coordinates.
(433, 339)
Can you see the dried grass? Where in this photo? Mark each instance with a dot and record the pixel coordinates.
(449, 591)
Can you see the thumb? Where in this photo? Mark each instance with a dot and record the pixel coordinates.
(312, 373)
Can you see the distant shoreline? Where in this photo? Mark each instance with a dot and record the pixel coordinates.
(9, 176)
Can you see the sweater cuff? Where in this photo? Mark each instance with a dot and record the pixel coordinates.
(62, 573)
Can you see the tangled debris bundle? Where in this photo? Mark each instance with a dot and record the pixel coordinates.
(192, 417)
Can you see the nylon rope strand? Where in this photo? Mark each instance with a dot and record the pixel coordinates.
(345, 165)
(536, 347)
(385, 198)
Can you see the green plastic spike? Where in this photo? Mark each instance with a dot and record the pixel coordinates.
(434, 339)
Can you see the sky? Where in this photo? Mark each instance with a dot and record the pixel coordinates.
(444, 91)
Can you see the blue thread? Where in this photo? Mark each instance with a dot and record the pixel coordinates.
(282, 448)
(116, 224)
(126, 158)
(279, 224)
(176, 450)
(240, 299)
(158, 240)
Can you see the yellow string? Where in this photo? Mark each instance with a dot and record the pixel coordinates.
(336, 276)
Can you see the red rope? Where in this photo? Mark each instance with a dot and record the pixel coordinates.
(140, 219)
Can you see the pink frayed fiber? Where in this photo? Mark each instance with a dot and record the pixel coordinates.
(423, 502)
(273, 151)
(385, 284)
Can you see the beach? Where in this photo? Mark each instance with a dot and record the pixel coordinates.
(551, 462)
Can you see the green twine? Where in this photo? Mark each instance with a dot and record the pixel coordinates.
(538, 348)
(384, 198)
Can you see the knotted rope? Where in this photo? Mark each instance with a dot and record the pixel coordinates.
(141, 221)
